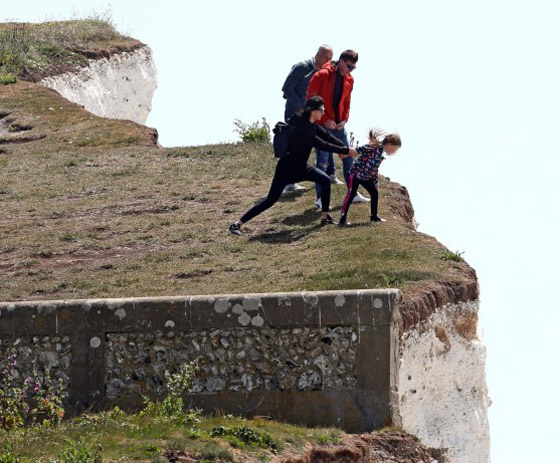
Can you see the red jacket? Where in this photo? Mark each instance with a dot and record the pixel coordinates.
(322, 84)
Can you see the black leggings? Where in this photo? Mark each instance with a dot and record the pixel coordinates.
(278, 184)
(353, 184)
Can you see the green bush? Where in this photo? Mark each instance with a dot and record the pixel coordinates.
(242, 436)
(7, 455)
(454, 256)
(172, 406)
(7, 78)
(250, 133)
(80, 452)
(330, 438)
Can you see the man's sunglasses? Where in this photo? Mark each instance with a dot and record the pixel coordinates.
(351, 67)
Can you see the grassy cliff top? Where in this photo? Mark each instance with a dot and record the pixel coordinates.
(91, 207)
(32, 51)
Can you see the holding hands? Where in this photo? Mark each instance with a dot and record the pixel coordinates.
(351, 152)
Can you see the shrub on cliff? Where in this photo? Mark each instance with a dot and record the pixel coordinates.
(256, 132)
(172, 406)
(7, 79)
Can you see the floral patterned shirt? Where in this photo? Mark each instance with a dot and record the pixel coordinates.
(366, 165)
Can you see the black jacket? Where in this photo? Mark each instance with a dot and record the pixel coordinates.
(304, 138)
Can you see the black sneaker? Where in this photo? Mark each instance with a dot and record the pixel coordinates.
(235, 229)
(327, 221)
(376, 218)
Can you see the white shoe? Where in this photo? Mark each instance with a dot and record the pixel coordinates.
(318, 204)
(293, 188)
(335, 180)
(361, 199)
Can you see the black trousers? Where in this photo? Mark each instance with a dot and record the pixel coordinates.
(353, 184)
(280, 181)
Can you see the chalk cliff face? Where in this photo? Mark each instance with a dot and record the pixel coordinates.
(441, 394)
(118, 87)
(438, 382)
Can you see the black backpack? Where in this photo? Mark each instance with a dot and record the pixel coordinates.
(282, 132)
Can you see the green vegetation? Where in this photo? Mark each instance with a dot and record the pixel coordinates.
(257, 132)
(160, 431)
(7, 454)
(453, 256)
(6, 78)
(243, 436)
(172, 406)
(39, 49)
(27, 401)
(332, 437)
(80, 451)
(118, 436)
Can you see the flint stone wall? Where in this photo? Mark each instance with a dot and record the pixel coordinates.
(238, 359)
(35, 356)
(321, 358)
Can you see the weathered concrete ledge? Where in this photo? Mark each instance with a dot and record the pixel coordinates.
(318, 358)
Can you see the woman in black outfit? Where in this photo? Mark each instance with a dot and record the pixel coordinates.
(293, 166)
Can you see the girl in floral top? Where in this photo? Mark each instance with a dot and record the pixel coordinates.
(365, 170)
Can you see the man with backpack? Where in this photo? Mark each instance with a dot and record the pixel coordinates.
(295, 89)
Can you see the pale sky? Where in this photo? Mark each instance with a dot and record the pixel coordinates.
(472, 88)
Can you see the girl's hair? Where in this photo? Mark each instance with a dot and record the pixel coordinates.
(390, 139)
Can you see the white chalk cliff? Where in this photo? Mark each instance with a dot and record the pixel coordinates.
(118, 87)
(440, 391)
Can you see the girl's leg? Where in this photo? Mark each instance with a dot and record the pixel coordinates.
(371, 188)
(353, 184)
(323, 180)
(346, 166)
(273, 195)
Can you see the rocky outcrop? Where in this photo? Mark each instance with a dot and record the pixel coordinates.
(118, 86)
(383, 447)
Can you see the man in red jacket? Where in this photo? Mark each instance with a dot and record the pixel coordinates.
(334, 83)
